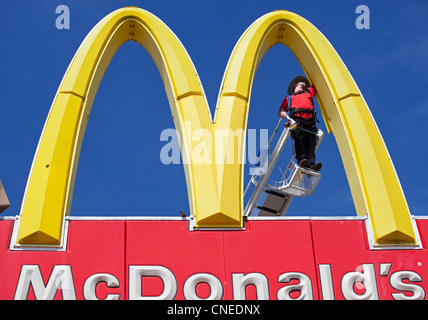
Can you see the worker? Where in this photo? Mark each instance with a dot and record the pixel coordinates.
(300, 104)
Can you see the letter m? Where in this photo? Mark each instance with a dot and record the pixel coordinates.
(61, 277)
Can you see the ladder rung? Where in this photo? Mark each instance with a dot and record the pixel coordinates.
(275, 200)
(268, 210)
(275, 193)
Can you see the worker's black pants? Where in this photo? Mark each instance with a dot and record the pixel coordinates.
(304, 141)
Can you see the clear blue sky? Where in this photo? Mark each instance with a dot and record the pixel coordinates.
(120, 172)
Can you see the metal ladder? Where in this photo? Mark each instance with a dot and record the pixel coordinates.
(273, 198)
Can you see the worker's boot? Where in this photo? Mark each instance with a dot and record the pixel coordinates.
(304, 163)
(317, 166)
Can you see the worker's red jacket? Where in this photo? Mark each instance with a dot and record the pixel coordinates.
(301, 100)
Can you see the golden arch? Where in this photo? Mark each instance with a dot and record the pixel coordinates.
(215, 190)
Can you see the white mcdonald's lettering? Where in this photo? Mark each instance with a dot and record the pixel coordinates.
(90, 286)
(61, 278)
(216, 288)
(136, 273)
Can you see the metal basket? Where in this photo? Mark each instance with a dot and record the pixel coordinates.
(297, 181)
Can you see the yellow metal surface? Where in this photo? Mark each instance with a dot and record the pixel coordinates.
(214, 183)
(50, 185)
(372, 178)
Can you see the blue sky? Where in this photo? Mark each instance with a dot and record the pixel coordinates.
(120, 172)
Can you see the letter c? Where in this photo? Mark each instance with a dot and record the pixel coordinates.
(90, 286)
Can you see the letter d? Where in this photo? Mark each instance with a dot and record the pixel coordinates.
(368, 277)
(136, 273)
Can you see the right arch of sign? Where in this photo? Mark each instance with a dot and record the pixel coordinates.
(373, 181)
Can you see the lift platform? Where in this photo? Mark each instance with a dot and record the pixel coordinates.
(273, 198)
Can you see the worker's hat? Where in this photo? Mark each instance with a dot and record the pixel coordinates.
(296, 80)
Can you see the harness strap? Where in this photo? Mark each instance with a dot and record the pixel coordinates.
(295, 110)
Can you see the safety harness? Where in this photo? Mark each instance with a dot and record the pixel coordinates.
(293, 110)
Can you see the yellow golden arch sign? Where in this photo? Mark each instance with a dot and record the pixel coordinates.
(214, 190)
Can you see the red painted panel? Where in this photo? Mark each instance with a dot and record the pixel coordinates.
(316, 259)
(169, 244)
(93, 247)
(269, 249)
(5, 233)
(263, 251)
(341, 246)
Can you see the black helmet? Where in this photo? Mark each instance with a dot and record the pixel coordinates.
(296, 80)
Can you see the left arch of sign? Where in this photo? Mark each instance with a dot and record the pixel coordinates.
(214, 190)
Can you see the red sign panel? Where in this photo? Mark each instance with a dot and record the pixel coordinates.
(350, 270)
(163, 259)
(244, 264)
(95, 251)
